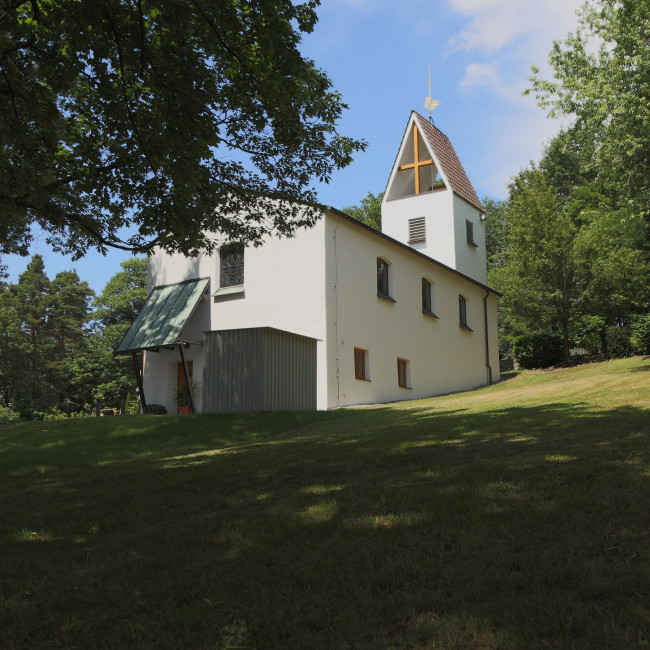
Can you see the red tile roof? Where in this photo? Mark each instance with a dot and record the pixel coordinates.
(451, 167)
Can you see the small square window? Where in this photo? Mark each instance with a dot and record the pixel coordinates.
(361, 364)
(403, 373)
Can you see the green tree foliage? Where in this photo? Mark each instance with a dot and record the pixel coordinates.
(557, 269)
(122, 298)
(56, 353)
(42, 324)
(640, 340)
(538, 349)
(602, 77)
(115, 309)
(134, 124)
(15, 350)
(70, 306)
(368, 211)
(32, 303)
(496, 233)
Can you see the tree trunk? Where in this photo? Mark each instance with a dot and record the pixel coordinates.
(565, 336)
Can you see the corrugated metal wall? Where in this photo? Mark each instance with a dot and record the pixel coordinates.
(258, 369)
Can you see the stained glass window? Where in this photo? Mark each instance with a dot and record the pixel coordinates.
(232, 266)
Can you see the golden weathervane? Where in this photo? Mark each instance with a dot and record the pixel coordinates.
(430, 104)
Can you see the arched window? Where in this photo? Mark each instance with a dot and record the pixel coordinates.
(383, 288)
(462, 312)
(428, 298)
(426, 295)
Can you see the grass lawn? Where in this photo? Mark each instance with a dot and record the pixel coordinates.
(515, 516)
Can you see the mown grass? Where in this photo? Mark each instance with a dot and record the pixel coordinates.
(515, 516)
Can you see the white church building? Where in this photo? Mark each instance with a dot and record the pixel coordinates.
(341, 314)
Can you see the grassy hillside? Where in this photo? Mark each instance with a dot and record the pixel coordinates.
(512, 516)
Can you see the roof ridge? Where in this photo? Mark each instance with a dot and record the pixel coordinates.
(451, 166)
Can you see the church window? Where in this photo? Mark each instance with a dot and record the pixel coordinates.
(417, 165)
(427, 298)
(417, 172)
(417, 230)
(469, 229)
(361, 364)
(383, 287)
(462, 313)
(231, 266)
(403, 378)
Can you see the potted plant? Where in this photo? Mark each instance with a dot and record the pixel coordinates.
(182, 396)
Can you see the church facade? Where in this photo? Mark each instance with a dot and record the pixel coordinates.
(339, 315)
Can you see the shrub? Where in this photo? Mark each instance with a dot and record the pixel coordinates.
(131, 405)
(538, 350)
(640, 339)
(7, 415)
(155, 409)
(618, 342)
(57, 413)
(587, 333)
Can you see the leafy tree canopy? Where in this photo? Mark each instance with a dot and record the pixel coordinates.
(496, 233)
(602, 77)
(368, 210)
(161, 119)
(556, 269)
(123, 296)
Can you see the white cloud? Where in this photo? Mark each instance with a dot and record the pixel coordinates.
(488, 75)
(481, 74)
(496, 24)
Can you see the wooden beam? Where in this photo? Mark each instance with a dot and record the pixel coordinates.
(417, 163)
(184, 339)
(187, 378)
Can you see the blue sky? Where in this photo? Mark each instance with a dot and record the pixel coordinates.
(378, 53)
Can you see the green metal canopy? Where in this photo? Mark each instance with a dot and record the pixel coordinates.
(163, 316)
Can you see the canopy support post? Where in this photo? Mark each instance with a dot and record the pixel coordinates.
(190, 392)
(138, 376)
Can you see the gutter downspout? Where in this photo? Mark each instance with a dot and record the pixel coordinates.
(487, 341)
(336, 316)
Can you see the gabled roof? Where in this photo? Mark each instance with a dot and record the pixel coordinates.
(446, 155)
(163, 316)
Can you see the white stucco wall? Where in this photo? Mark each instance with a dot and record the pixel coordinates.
(437, 209)
(322, 284)
(284, 287)
(442, 356)
(470, 260)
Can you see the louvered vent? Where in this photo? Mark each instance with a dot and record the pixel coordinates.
(417, 230)
(469, 227)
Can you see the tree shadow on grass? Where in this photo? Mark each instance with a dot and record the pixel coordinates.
(644, 368)
(517, 528)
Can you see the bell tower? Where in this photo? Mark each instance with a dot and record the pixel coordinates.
(430, 204)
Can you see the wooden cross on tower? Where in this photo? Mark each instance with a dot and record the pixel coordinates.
(417, 163)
